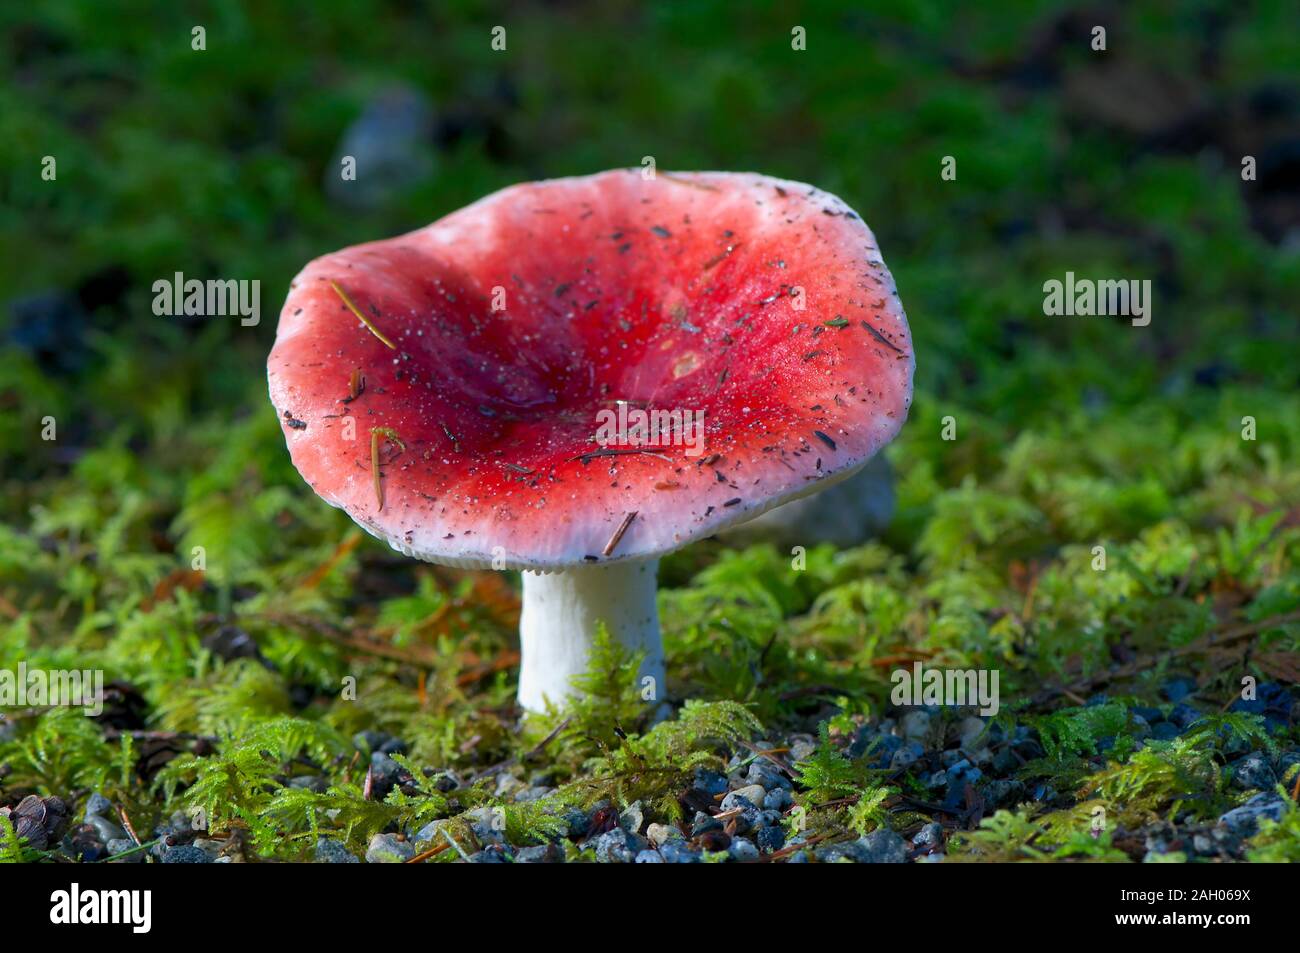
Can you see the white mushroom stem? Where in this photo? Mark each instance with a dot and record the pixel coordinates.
(557, 627)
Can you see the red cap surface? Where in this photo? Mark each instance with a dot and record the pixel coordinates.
(515, 322)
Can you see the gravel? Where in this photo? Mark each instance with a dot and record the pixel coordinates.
(579, 823)
(971, 734)
(778, 800)
(115, 847)
(488, 825)
(915, 725)
(1253, 771)
(884, 749)
(710, 782)
(660, 834)
(1244, 821)
(387, 849)
(955, 755)
(619, 847)
(906, 756)
(884, 847)
(931, 835)
(878, 847)
(751, 794)
(98, 806)
(385, 774)
(1164, 731)
(749, 817)
(333, 852)
(632, 818)
(542, 854)
(1183, 716)
(770, 839)
(186, 854)
(105, 830)
(431, 831)
(763, 773)
(743, 851)
(675, 852)
(703, 823)
(535, 793)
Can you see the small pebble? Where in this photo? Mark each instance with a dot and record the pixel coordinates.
(507, 785)
(632, 818)
(1244, 821)
(659, 834)
(618, 847)
(431, 831)
(1164, 731)
(98, 806)
(703, 824)
(710, 782)
(678, 852)
(535, 793)
(770, 839)
(333, 852)
(972, 734)
(387, 849)
(778, 800)
(915, 725)
(906, 756)
(1253, 772)
(752, 793)
(743, 851)
(121, 846)
(185, 854)
(931, 835)
(801, 749)
(767, 775)
(542, 854)
(884, 847)
(105, 830)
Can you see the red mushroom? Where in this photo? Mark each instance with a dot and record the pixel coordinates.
(457, 390)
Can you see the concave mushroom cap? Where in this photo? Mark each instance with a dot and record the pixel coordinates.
(681, 292)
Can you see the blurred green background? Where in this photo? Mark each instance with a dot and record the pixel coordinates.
(1123, 163)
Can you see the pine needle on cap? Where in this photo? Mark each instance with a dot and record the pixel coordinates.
(618, 533)
(357, 311)
(375, 433)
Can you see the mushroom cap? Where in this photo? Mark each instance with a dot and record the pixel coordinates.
(516, 321)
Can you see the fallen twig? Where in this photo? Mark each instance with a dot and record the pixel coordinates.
(126, 823)
(431, 852)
